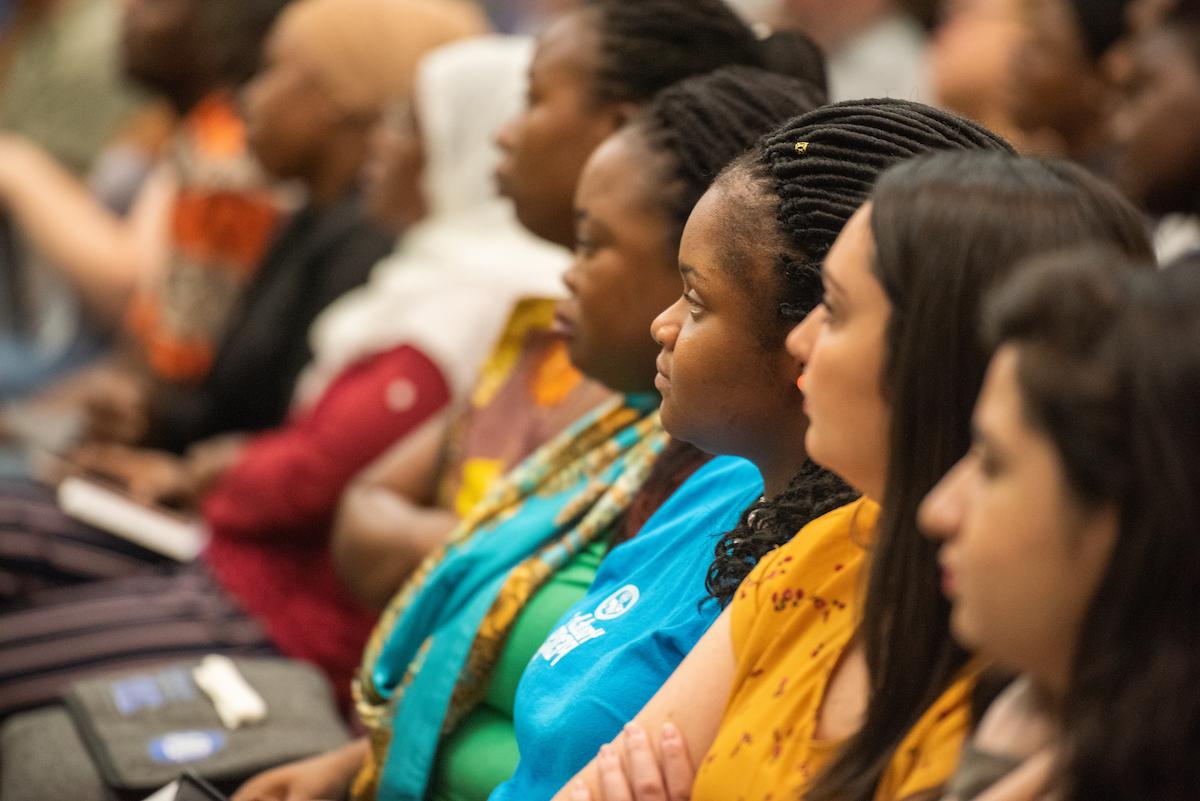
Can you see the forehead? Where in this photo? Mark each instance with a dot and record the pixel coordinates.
(617, 174)
(725, 247)
(569, 49)
(1053, 24)
(849, 260)
(710, 227)
(996, 413)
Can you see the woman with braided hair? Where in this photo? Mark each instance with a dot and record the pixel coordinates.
(596, 66)
(435, 689)
(834, 675)
(760, 234)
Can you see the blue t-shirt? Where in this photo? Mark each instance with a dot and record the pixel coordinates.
(611, 652)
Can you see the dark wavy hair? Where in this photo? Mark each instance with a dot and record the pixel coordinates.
(1109, 370)
(795, 191)
(947, 229)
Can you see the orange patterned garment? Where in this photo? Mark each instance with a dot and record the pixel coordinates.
(791, 621)
(221, 224)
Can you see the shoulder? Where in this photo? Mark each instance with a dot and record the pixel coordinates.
(706, 505)
(810, 586)
(929, 754)
(822, 548)
(720, 481)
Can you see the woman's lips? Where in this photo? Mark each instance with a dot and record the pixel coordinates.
(564, 323)
(949, 581)
(502, 176)
(663, 379)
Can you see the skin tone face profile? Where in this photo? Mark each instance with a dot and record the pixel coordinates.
(1021, 557)
(537, 172)
(838, 451)
(840, 345)
(623, 269)
(725, 388)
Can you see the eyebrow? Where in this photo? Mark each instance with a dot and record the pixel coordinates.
(831, 283)
(689, 272)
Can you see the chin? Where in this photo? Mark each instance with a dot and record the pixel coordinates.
(676, 424)
(679, 429)
(961, 628)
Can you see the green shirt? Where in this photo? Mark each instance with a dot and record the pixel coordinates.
(482, 751)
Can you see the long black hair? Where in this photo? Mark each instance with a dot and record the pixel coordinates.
(947, 229)
(796, 191)
(1109, 369)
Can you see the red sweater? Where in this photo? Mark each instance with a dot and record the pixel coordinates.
(271, 514)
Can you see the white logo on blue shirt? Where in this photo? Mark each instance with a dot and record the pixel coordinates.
(581, 627)
(618, 603)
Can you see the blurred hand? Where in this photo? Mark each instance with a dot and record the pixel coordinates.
(117, 409)
(148, 476)
(207, 461)
(644, 776)
(326, 776)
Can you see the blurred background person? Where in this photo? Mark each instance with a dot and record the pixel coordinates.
(1156, 127)
(63, 87)
(61, 79)
(874, 48)
(195, 54)
(971, 59)
(1062, 87)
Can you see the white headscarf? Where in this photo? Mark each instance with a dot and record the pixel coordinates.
(450, 285)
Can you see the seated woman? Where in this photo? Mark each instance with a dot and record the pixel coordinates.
(341, 63)
(270, 513)
(1068, 535)
(592, 70)
(801, 687)
(728, 386)
(402, 506)
(480, 610)
(310, 116)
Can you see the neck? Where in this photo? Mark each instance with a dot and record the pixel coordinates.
(185, 98)
(336, 171)
(1049, 694)
(1084, 142)
(779, 470)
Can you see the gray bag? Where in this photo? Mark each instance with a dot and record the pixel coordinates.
(143, 729)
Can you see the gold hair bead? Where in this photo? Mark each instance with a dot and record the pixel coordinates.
(802, 148)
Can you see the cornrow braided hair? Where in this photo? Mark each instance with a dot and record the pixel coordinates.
(648, 45)
(691, 131)
(822, 166)
(702, 124)
(817, 170)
